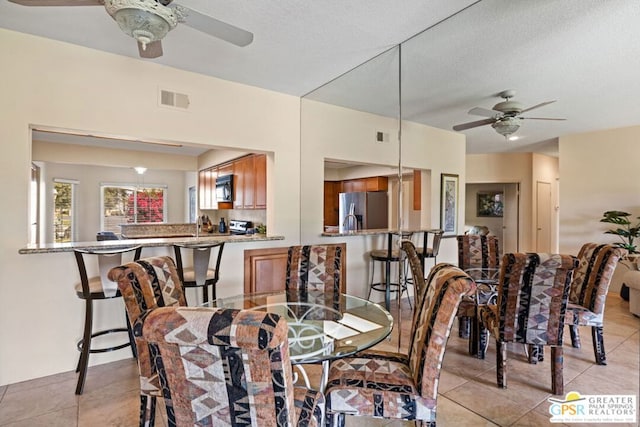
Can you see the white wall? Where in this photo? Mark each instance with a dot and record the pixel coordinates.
(597, 175)
(55, 84)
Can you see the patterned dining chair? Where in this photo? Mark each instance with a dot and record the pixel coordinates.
(394, 385)
(475, 251)
(588, 293)
(230, 367)
(532, 300)
(147, 284)
(315, 267)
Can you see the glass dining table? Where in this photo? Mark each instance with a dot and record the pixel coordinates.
(322, 325)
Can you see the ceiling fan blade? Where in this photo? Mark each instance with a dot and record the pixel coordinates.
(58, 2)
(151, 50)
(540, 118)
(479, 111)
(542, 104)
(474, 124)
(213, 27)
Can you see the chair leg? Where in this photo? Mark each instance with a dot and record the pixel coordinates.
(205, 294)
(483, 339)
(501, 363)
(147, 410)
(85, 346)
(575, 336)
(598, 345)
(473, 337)
(132, 340)
(557, 378)
(463, 327)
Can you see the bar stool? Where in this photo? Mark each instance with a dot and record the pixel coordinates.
(199, 275)
(425, 251)
(388, 256)
(99, 288)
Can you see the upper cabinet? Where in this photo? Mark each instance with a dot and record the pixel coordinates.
(249, 183)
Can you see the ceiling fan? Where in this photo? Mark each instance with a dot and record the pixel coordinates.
(148, 21)
(505, 116)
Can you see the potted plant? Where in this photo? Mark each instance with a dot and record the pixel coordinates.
(626, 231)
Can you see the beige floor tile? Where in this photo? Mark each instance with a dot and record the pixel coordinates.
(117, 411)
(451, 413)
(67, 417)
(502, 406)
(30, 402)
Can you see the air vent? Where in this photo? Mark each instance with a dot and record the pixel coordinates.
(174, 99)
(382, 137)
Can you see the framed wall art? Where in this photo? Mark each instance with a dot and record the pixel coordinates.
(449, 204)
(490, 204)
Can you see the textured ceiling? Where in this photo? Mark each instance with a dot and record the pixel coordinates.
(583, 53)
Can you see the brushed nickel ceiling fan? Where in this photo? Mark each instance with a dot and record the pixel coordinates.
(148, 21)
(505, 116)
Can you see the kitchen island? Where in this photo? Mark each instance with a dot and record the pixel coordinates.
(145, 243)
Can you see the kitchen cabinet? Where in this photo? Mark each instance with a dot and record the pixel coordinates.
(249, 183)
(331, 203)
(373, 183)
(377, 183)
(260, 167)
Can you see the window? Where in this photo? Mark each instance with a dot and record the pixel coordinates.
(64, 210)
(131, 204)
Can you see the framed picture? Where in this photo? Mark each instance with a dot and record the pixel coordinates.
(449, 204)
(490, 203)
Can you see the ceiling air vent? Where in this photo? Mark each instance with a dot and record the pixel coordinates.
(174, 99)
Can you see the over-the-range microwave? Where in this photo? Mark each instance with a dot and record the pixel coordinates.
(224, 188)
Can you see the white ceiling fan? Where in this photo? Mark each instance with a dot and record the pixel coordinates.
(505, 116)
(148, 21)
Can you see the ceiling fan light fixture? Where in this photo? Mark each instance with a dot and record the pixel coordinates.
(145, 20)
(506, 126)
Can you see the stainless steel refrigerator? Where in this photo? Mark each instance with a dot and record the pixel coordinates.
(366, 209)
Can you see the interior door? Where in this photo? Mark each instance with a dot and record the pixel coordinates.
(543, 216)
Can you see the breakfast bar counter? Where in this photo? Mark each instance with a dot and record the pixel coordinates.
(145, 243)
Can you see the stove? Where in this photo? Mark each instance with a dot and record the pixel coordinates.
(240, 227)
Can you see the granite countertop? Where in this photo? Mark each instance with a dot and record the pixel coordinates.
(147, 243)
(375, 231)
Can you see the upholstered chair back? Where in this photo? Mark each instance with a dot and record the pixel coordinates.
(532, 297)
(147, 284)
(415, 265)
(478, 251)
(591, 279)
(314, 267)
(433, 317)
(231, 367)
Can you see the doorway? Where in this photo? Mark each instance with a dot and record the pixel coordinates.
(497, 207)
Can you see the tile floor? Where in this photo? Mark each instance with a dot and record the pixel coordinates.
(468, 392)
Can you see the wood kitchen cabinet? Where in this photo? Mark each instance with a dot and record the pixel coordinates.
(260, 167)
(249, 183)
(331, 202)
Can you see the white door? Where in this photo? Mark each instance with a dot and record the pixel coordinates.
(543, 216)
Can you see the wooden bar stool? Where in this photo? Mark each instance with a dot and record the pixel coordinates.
(99, 288)
(199, 275)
